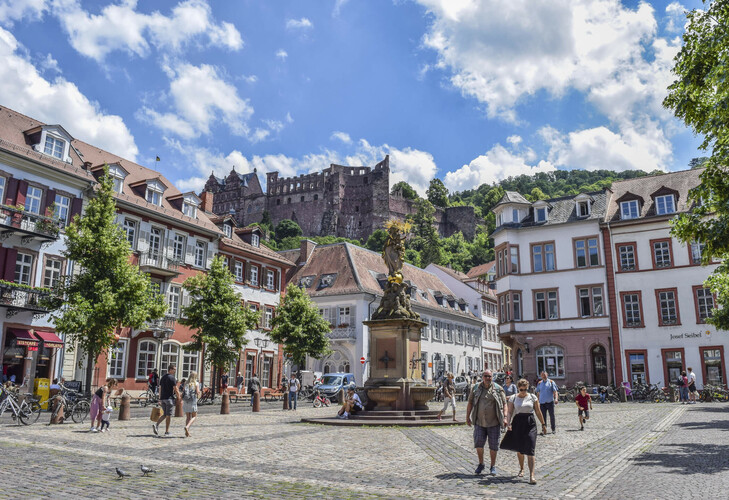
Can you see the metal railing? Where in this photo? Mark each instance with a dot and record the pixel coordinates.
(340, 333)
(13, 219)
(166, 323)
(21, 297)
(158, 261)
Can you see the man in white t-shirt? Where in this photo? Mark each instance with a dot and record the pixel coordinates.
(692, 386)
(352, 404)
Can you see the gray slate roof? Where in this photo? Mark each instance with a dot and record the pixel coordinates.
(512, 197)
(563, 210)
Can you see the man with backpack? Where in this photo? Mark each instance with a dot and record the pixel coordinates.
(486, 411)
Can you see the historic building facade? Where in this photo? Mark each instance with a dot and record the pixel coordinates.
(42, 185)
(551, 287)
(347, 282)
(657, 294)
(345, 201)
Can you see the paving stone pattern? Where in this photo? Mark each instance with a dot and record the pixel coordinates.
(629, 450)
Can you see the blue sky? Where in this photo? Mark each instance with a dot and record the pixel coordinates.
(469, 91)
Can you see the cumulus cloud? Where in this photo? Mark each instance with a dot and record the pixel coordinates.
(121, 27)
(496, 164)
(48, 63)
(341, 136)
(500, 53)
(59, 101)
(675, 17)
(200, 98)
(26, 10)
(299, 24)
(282, 54)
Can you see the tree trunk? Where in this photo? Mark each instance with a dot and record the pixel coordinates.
(90, 365)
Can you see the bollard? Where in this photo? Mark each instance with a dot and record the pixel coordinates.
(225, 405)
(124, 407)
(286, 400)
(178, 408)
(58, 419)
(623, 394)
(257, 401)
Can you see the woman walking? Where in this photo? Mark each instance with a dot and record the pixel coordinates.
(99, 402)
(522, 430)
(189, 401)
(449, 395)
(509, 386)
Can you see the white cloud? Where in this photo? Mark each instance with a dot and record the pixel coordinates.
(514, 140)
(341, 136)
(14, 10)
(201, 98)
(496, 164)
(282, 54)
(338, 4)
(121, 27)
(676, 17)
(48, 63)
(302, 24)
(503, 52)
(251, 79)
(59, 101)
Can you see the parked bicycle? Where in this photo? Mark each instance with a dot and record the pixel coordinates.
(73, 404)
(24, 411)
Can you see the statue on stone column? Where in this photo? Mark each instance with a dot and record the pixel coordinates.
(395, 303)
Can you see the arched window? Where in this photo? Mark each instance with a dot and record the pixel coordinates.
(336, 363)
(170, 355)
(146, 355)
(551, 359)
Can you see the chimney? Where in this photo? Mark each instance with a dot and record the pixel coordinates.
(207, 201)
(87, 165)
(307, 246)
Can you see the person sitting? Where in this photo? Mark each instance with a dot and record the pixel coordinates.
(55, 385)
(352, 404)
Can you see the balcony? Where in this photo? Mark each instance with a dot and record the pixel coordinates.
(165, 324)
(29, 225)
(157, 263)
(19, 298)
(343, 333)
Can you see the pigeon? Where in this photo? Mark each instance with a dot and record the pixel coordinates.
(147, 470)
(121, 473)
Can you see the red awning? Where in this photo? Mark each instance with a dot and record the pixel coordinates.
(50, 339)
(24, 337)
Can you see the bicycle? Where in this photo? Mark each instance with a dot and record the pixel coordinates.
(73, 404)
(320, 400)
(23, 411)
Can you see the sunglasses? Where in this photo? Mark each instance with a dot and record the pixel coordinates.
(522, 390)
(487, 376)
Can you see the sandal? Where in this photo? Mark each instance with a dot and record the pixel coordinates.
(521, 473)
(532, 481)
(187, 433)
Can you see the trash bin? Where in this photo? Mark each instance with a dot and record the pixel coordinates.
(41, 388)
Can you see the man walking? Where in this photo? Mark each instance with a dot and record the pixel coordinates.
(294, 386)
(548, 393)
(254, 386)
(692, 386)
(168, 391)
(487, 411)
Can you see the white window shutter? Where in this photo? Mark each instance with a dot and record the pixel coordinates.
(190, 251)
(169, 249)
(211, 255)
(352, 314)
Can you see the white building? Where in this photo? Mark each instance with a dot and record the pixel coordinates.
(347, 283)
(660, 302)
(481, 300)
(551, 287)
(42, 183)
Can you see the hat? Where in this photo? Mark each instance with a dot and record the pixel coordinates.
(109, 408)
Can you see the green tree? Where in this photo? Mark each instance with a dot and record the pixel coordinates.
(376, 241)
(218, 315)
(426, 240)
(287, 228)
(266, 222)
(108, 292)
(456, 252)
(700, 97)
(437, 193)
(299, 326)
(406, 190)
(538, 194)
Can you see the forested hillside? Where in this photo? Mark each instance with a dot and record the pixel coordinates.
(425, 246)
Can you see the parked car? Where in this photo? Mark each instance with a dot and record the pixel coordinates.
(461, 383)
(332, 383)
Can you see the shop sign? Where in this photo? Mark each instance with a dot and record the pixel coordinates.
(27, 342)
(690, 335)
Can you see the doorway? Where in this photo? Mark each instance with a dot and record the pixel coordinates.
(599, 365)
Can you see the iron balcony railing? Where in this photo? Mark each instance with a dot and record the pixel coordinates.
(159, 261)
(17, 220)
(15, 296)
(166, 323)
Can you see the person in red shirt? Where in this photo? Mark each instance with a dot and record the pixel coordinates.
(582, 400)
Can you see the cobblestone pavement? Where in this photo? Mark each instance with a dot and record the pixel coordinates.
(629, 450)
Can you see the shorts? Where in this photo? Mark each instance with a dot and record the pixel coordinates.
(584, 412)
(692, 388)
(167, 406)
(481, 434)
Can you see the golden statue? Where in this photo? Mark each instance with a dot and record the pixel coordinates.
(395, 303)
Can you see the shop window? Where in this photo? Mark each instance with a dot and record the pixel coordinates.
(550, 359)
(146, 356)
(637, 367)
(712, 360)
(673, 365)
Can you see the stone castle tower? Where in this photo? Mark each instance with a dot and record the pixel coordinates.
(346, 201)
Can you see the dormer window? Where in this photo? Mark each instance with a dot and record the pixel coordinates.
(540, 214)
(155, 189)
(629, 209)
(665, 204)
(190, 210)
(255, 240)
(228, 230)
(117, 175)
(583, 208)
(54, 147)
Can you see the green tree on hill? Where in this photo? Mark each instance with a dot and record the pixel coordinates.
(406, 190)
(437, 193)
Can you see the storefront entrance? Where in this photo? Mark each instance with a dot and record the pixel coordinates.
(599, 365)
(673, 365)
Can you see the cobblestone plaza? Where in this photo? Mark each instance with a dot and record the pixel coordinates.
(627, 450)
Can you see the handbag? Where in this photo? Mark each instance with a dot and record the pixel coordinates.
(156, 413)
